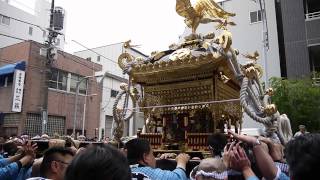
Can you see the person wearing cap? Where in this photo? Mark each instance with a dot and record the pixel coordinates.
(302, 131)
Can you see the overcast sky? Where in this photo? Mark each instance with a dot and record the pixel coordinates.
(152, 23)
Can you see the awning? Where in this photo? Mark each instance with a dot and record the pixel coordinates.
(9, 68)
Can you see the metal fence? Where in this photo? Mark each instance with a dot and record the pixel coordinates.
(56, 124)
(314, 15)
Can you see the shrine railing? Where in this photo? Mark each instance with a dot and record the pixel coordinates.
(155, 139)
(198, 141)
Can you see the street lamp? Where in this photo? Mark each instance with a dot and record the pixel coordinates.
(76, 100)
(265, 38)
(84, 111)
(76, 103)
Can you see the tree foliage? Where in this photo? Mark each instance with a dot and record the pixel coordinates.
(300, 100)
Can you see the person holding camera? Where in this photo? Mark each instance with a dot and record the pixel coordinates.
(264, 161)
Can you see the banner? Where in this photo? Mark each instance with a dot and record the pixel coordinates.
(18, 85)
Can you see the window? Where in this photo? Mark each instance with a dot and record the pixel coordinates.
(56, 124)
(108, 125)
(6, 80)
(4, 20)
(88, 58)
(73, 83)
(114, 93)
(33, 124)
(30, 31)
(61, 79)
(255, 16)
(58, 80)
(311, 6)
(98, 58)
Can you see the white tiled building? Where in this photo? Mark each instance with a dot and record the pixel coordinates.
(19, 22)
(107, 56)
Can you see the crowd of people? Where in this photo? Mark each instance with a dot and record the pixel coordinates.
(233, 156)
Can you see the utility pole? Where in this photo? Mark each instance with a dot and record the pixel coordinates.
(265, 39)
(56, 25)
(76, 105)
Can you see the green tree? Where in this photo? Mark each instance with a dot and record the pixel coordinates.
(300, 100)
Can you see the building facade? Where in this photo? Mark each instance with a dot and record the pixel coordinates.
(18, 24)
(293, 36)
(66, 71)
(107, 56)
(299, 37)
(293, 33)
(247, 35)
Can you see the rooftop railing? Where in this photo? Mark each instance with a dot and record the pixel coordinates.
(316, 81)
(312, 16)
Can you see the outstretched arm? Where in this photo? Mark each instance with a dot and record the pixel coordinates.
(264, 160)
(240, 162)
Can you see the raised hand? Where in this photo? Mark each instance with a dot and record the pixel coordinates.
(247, 139)
(29, 153)
(239, 160)
(30, 149)
(182, 160)
(227, 153)
(168, 156)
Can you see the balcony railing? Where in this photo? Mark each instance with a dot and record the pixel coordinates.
(316, 81)
(311, 16)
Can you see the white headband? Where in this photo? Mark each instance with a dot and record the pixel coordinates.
(214, 174)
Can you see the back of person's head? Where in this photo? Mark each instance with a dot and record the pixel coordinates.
(303, 157)
(99, 162)
(217, 142)
(136, 148)
(50, 155)
(10, 148)
(211, 169)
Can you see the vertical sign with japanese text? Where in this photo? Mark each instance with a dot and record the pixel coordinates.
(18, 84)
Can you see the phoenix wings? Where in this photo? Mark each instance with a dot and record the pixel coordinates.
(204, 11)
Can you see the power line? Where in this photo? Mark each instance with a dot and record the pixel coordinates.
(94, 51)
(29, 23)
(26, 6)
(31, 66)
(41, 68)
(43, 29)
(75, 59)
(13, 37)
(71, 57)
